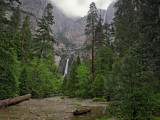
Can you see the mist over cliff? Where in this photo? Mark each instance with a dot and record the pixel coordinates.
(72, 28)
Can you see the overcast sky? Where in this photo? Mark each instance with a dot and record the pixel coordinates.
(79, 7)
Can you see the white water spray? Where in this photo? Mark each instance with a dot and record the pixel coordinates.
(66, 68)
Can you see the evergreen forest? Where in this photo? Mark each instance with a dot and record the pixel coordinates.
(118, 63)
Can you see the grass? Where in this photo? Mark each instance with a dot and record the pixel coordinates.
(63, 98)
(99, 99)
(108, 117)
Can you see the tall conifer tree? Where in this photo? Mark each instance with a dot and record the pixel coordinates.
(125, 26)
(9, 65)
(90, 30)
(44, 41)
(149, 22)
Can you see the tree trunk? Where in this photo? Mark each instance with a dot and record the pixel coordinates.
(80, 112)
(15, 100)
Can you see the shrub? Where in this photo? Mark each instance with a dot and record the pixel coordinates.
(99, 99)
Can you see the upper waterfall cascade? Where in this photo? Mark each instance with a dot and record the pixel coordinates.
(66, 68)
(104, 19)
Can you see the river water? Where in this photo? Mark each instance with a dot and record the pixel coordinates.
(54, 108)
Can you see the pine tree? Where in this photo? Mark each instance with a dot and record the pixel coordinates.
(99, 36)
(103, 61)
(125, 26)
(44, 41)
(72, 79)
(15, 21)
(134, 76)
(149, 27)
(55, 82)
(135, 89)
(90, 30)
(25, 85)
(78, 61)
(26, 46)
(14, 30)
(97, 87)
(111, 81)
(9, 65)
(9, 71)
(64, 85)
(108, 34)
(26, 41)
(82, 85)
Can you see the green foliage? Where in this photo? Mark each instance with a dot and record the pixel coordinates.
(77, 83)
(64, 85)
(72, 79)
(36, 76)
(99, 99)
(24, 82)
(82, 86)
(9, 65)
(15, 21)
(9, 73)
(40, 77)
(149, 21)
(26, 41)
(111, 81)
(91, 20)
(17, 45)
(62, 98)
(44, 41)
(43, 80)
(97, 87)
(135, 89)
(90, 31)
(108, 33)
(99, 36)
(125, 26)
(78, 60)
(103, 61)
(135, 76)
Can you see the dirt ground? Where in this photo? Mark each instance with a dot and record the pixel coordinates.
(54, 108)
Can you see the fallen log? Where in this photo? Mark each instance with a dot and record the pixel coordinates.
(15, 100)
(80, 112)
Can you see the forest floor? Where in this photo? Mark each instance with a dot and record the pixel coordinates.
(53, 108)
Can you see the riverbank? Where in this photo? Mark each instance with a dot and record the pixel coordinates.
(54, 108)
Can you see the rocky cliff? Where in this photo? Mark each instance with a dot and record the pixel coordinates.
(110, 12)
(67, 31)
(71, 28)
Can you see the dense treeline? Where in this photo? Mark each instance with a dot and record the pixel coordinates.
(26, 60)
(121, 61)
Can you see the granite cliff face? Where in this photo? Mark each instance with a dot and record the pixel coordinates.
(110, 12)
(71, 28)
(35, 8)
(66, 30)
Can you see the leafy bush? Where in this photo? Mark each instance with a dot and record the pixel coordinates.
(97, 87)
(99, 99)
(62, 97)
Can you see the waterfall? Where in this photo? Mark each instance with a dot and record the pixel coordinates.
(66, 68)
(104, 19)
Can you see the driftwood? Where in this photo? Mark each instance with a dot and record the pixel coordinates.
(15, 100)
(80, 112)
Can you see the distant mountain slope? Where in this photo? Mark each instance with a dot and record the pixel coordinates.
(110, 12)
(71, 28)
(68, 31)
